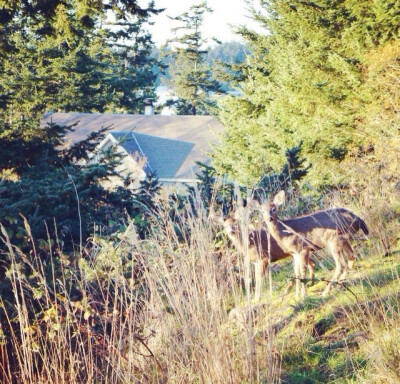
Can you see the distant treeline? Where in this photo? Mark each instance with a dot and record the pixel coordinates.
(227, 53)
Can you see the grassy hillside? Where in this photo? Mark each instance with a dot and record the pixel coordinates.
(349, 337)
(173, 309)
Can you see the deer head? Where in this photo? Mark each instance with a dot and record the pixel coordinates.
(229, 224)
(268, 209)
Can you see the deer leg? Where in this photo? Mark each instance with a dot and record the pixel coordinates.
(311, 268)
(303, 262)
(339, 261)
(259, 277)
(297, 277)
(297, 274)
(349, 253)
(345, 251)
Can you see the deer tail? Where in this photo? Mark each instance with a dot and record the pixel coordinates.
(363, 226)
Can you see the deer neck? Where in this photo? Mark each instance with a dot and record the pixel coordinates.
(277, 231)
(236, 238)
(237, 241)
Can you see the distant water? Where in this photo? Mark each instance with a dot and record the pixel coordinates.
(163, 94)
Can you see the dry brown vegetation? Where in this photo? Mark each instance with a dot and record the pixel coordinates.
(173, 309)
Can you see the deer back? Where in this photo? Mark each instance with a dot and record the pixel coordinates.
(320, 226)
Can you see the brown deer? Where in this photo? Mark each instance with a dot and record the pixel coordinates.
(300, 236)
(258, 246)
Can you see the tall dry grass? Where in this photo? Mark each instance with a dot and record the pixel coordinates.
(152, 311)
(173, 309)
(192, 289)
(64, 319)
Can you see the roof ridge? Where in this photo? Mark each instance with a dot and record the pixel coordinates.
(163, 138)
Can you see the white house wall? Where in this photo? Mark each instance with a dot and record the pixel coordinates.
(128, 165)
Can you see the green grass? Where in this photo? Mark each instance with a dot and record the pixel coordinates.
(324, 339)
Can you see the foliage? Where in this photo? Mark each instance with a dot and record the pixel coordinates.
(67, 55)
(231, 52)
(145, 206)
(224, 58)
(124, 310)
(62, 55)
(69, 311)
(291, 173)
(60, 193)
(132, 74)
(214, 189)
(191, 78)
(211, 190)
(228, 60)
(315, 78)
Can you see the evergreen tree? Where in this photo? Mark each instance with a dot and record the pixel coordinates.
(211, 189)
(52, 187)
(145, 205)
(191, 78)
(61, 194)
(231, 52)
(132, 75)
(62, 55)
(292, 171)
(206, 178)
(306, 81)
(58, 55)
(52, 61)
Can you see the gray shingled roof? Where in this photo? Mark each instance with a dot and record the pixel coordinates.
(199, 130)
(164, 156)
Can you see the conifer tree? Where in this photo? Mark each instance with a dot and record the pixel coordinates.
(132, 76)
(191, 78)
(292, 171)
(61, 194)
(144, 204)
(307, 80)
(56, 55)
(63, 56)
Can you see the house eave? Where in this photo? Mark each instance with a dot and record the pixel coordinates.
(178, 180)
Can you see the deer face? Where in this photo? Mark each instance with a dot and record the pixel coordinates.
(230, 226)
(269, 208)
(269, 212)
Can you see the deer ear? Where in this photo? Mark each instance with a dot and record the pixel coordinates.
(218, 219)
(253, 204)
(279, 198)
(239, 213)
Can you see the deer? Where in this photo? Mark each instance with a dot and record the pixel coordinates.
(303, 235)
(258, 246)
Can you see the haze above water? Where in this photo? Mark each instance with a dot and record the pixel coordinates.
(226, 15)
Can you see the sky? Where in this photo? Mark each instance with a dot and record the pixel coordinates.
(216, 24)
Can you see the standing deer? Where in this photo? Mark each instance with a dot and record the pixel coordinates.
(259, 247)
(300, 236)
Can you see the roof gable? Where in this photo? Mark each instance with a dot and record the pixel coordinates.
(201, 131)
(164, 156)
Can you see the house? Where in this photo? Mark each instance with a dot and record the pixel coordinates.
(169, 146)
